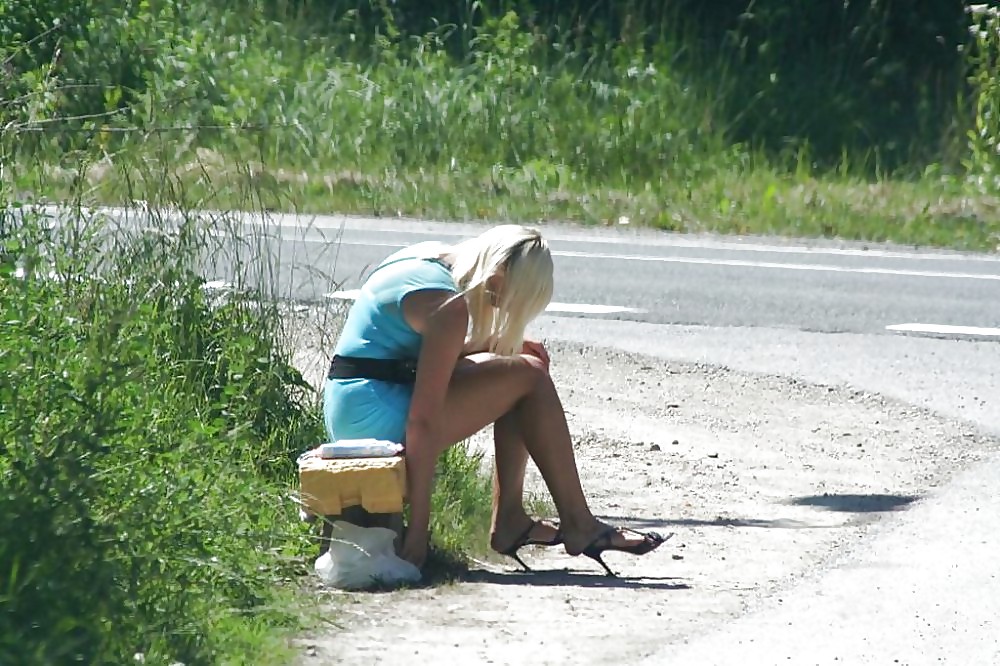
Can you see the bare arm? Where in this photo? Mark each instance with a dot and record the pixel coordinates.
(443, 324)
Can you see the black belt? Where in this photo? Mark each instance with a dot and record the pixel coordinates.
(397, 371)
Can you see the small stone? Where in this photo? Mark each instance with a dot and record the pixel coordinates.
(677, 557)
(654, 447)
(675, 442)
(713, 455)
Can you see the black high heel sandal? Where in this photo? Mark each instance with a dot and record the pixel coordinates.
(650, 542)
(525, 540)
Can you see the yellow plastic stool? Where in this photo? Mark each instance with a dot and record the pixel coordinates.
(329, 486)
(368, 492)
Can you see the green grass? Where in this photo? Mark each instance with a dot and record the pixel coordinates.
(752, 199)
(148, 441)
(524, 126)
(149, 431)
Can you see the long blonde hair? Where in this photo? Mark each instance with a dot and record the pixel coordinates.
(523, 256)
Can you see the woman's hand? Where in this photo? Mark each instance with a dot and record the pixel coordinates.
(536, 349)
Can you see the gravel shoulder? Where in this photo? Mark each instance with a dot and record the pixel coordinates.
(763, 479)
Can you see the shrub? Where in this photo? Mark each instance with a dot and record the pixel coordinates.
(148, 440)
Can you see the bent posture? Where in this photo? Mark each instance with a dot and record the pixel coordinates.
(433, 351)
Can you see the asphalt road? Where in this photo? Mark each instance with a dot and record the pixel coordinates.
(703, 281)
(645, 276)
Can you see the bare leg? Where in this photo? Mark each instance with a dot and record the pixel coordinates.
(511, 463)
(490, 388)
(510, 519)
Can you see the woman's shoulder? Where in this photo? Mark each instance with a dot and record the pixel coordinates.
(413, 267)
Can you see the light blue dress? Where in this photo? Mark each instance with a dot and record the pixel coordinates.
(375, 328)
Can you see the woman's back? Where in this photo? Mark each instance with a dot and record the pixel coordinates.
(375, 327)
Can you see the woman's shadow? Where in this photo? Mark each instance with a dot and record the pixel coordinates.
(571, 578)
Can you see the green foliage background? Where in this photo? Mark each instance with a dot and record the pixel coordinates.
(864, 76)
(733, 116)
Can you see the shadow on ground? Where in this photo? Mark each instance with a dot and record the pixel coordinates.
(838, 502)
(568, 578)
(720, 521)
(856, 503)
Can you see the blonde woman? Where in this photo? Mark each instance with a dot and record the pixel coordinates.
(433, 351)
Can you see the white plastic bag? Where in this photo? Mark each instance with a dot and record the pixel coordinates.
(360, 557)
(360, 448)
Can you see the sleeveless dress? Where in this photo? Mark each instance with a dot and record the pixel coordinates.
(375, 328)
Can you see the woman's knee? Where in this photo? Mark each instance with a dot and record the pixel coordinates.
(536, 370)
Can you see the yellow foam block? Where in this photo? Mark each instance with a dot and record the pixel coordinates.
(377, 484)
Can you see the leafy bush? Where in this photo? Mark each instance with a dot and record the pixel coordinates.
(148, 440)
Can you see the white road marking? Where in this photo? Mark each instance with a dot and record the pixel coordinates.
(793, 267)
(378, 225)
(342, 223)
(742, 263)
(584, 308)
(945, 329)
(572, 308)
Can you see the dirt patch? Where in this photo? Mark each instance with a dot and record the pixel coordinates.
(763, 480)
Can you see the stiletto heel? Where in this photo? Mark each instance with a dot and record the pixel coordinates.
(513, 553)
(650, 542)
(526, 540)
(597, 557)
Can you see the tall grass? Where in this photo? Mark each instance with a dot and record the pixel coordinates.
(150, 423)
(518, 121)
(149, 435)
